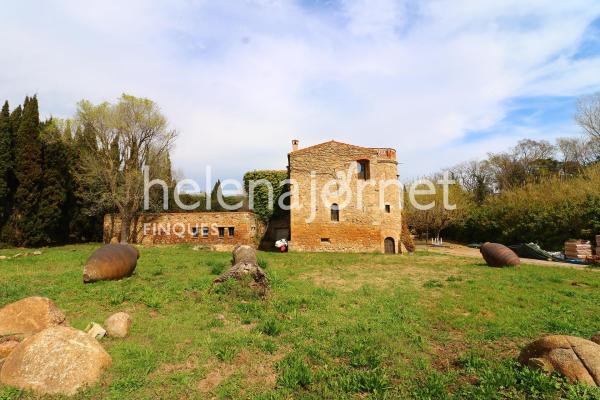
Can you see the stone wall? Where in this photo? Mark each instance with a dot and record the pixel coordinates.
(201, 228)
(363, 225)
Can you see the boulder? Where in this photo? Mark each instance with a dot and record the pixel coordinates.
(596, 338)
(118, 325)
(497, 255)
(57, 360)
(29, 316)
(575, 358)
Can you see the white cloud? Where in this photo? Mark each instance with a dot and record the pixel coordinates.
(239, 80)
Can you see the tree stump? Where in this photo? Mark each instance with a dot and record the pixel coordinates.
(245, 264)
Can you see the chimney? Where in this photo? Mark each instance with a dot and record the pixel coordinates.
(295, 144)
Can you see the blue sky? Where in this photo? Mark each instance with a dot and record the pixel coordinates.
(440, 81)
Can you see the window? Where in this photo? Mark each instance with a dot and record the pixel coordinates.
(325, 240)
(363, 169)
(335, 212)
(231, 231)
(221, 232)
(388, 209)
(195, 231)
(205, 231)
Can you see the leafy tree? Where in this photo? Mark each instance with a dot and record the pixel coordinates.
(142, 138)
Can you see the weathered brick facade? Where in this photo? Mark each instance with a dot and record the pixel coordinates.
(217, 230)
(368, 220)
(362, 226)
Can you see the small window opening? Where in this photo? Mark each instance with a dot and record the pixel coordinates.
(325, 240)
(221, 232)
(195, 231)
(205, 231)
(335, 212)
(388, 208)
(231, 231)
(363, 169)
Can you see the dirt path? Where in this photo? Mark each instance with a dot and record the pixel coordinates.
(464, 251)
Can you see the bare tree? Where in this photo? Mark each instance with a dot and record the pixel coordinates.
(588, 118)
(588, 115)
(528, 151)
(475, 177)
(575, 154)
(437, 217)
(125, 137)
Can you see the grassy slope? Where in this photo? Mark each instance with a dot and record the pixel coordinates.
(336, 325)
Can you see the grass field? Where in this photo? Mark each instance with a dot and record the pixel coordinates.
(335, 326)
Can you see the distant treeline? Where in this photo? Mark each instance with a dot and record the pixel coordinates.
(547, 212)
(535, 192)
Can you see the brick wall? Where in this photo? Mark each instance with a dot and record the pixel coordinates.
(361, 227)
(171, 228)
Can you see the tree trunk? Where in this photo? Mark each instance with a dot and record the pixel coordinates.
(125, 227)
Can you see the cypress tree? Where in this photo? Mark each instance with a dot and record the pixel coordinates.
(85, 221)
(15, 121)
(7, 234)
(67, 132)
(52, 212)
(5, 162)
(28, 172)
(214, 199)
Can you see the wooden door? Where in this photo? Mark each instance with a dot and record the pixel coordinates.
(389, 246)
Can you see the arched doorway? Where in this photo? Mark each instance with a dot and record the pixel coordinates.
(389, 245)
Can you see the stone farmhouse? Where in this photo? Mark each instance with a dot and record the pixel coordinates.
(374, 225)
(338, 204)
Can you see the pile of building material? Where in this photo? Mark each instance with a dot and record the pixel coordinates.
(578, 249)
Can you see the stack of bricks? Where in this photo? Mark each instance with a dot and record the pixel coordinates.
(578, 249)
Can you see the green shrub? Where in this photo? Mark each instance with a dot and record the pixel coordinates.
(263, 263)
(372, 381)
(294, 372)
(433, 283)
(225, 352)
(216, 267)
(547, 213)
(270, 326)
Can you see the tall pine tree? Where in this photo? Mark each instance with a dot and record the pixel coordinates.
(52, 212)
(5, 162)
(214, 197)
(85, 221)
(29, 175)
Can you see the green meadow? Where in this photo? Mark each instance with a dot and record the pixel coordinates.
(335, 326)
